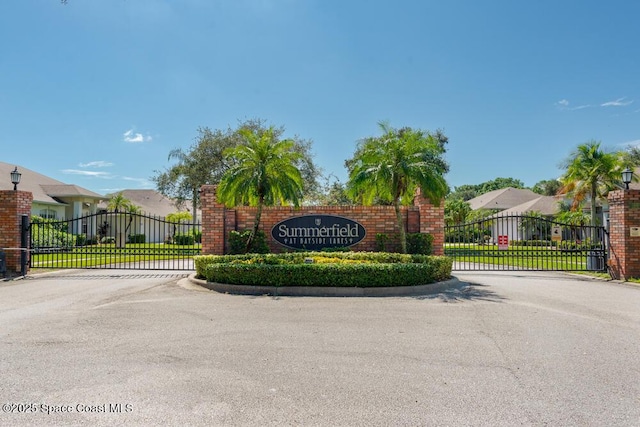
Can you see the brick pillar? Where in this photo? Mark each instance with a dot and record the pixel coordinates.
(13, 204)
(624, 213)
(431, 221)
(213, 221)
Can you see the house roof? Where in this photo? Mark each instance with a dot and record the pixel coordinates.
(504, 198)
(150, 201)
(546, 205)
(45, 190)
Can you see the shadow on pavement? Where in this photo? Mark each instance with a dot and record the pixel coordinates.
(466, 291)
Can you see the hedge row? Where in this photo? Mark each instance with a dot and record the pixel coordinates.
(537, 243)
(343, 269)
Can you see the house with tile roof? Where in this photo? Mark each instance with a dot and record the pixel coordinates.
(545, 205)
(151, 202)
(504, 198)
(56, 200)
(52, 199)
(508, 222)
(509, 204)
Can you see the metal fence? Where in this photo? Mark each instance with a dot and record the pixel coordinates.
(526, 242)
(114, 240)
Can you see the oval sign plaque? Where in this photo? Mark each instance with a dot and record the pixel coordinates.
(316, 232)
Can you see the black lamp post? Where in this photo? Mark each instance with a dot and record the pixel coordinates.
(15, 178)
(627, 176)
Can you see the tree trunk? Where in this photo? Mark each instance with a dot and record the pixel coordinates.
(593, 204)
(256, 225)
(402, 231)
(194, 205)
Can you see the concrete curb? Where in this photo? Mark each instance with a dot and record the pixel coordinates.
(317, 291)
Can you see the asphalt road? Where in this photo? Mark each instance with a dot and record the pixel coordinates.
(505, 349)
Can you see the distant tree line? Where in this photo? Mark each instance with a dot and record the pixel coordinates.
(590, 173)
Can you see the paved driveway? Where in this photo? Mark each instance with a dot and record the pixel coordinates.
(109, 348)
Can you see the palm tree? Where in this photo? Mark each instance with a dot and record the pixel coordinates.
(575, 219)
(119, 203)
(392, 166)
(263, 172)
(456, 211)
(590, 173)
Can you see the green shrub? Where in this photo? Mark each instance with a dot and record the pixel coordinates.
(460, 234)
(184, 239)
(351, 269)
(137, 238)
(299, 257)
(338, 249)
(419, 243)
(197, 235)
(532, 243)
(238, 242)
(92, 240)
(81, 239)
(572, 245)
(46, 233)
(381, 242)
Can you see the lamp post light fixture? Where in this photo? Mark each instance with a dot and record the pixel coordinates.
(627, 176)
(15, 178)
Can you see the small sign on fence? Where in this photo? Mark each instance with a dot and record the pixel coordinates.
(503, 243)
(556, 233)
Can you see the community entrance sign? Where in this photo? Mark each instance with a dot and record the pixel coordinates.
(316, 232)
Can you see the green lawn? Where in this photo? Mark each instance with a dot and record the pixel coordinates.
(97, 255)
(531, 258)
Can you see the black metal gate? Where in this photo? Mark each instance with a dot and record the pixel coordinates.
(526, 242)
(114, 240)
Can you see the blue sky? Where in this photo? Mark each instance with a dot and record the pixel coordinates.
(96, 93)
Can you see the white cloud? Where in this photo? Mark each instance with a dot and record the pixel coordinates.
(96, 164)
(563, 104)
(620, 102)
(580, 107)
(87, 173)
(144, 182)
(135, 137)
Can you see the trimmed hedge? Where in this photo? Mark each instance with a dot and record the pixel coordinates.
(184, 239)
(417, 243)
(537, 243)
(238, 242)
(137, 238)
(348, 269)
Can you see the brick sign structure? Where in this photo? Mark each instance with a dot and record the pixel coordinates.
(218, 222)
